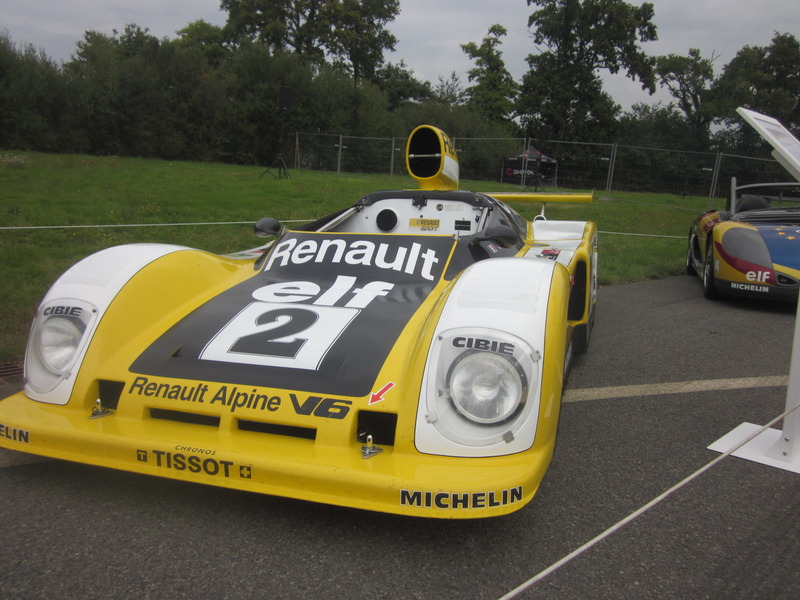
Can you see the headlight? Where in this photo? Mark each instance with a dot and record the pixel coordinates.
(485, 387)
(56, 342)
(480, 392)
(745, 249)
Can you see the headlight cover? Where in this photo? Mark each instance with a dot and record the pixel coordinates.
(56, 341)
(479, 392)
(745, 249)
(484, 387)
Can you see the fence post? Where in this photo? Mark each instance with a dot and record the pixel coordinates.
(391, 161)
(714, 177)
(296, 149)
(340, 145)
(611, 165)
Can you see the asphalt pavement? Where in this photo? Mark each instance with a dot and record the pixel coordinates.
(667, 374)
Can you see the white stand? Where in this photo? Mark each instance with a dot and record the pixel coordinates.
(771, 447)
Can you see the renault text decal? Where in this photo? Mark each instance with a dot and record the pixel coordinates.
(412, 259)
(233, 398)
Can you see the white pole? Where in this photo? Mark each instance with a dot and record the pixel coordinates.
(788, 446)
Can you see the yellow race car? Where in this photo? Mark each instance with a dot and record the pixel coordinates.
(405, 354)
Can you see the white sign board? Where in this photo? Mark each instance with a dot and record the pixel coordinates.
(787, 147)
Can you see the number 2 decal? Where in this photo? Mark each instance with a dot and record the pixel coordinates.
(279, 335)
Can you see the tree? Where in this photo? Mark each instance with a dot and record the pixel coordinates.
(207, 37)
(562, 91)
(689, 79)
(36, 102)
(449, 91)
(358, 35)
(656, 126)
(765, 79)
(351, 32)
(294, 25)
(494, 91)
(400, 86)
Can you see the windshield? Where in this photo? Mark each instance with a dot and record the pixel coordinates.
(767, 201)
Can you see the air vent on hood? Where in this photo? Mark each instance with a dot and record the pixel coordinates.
(184, 417)
(306, 433)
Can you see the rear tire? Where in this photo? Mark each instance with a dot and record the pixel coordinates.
(690, 270)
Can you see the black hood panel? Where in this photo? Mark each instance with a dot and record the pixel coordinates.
(321, 317)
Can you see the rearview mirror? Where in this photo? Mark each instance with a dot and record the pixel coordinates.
(268, 227)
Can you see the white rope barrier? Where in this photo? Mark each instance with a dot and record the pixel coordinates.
(20, 228)
(110, 226)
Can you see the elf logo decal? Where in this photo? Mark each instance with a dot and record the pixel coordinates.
(759, 276)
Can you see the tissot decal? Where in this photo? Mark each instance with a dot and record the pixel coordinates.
(321, 317)
(192, 463)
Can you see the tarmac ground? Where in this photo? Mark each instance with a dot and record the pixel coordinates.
(667, 374)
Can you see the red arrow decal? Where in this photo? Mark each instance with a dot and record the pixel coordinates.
(378, 396)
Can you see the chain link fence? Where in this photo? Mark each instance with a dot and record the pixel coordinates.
(550, 164)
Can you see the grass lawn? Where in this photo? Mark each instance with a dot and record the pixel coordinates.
(41, 192)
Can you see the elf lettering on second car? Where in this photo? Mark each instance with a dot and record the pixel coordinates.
(320, 317)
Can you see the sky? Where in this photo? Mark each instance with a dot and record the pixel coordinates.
(429, 32)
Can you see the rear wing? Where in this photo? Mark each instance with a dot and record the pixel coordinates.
(540, 196)
(432, 161)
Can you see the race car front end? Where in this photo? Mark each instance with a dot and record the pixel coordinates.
(381, 386)
(756, 261)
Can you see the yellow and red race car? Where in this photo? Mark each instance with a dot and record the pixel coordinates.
(752, 247)
(405, 354)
